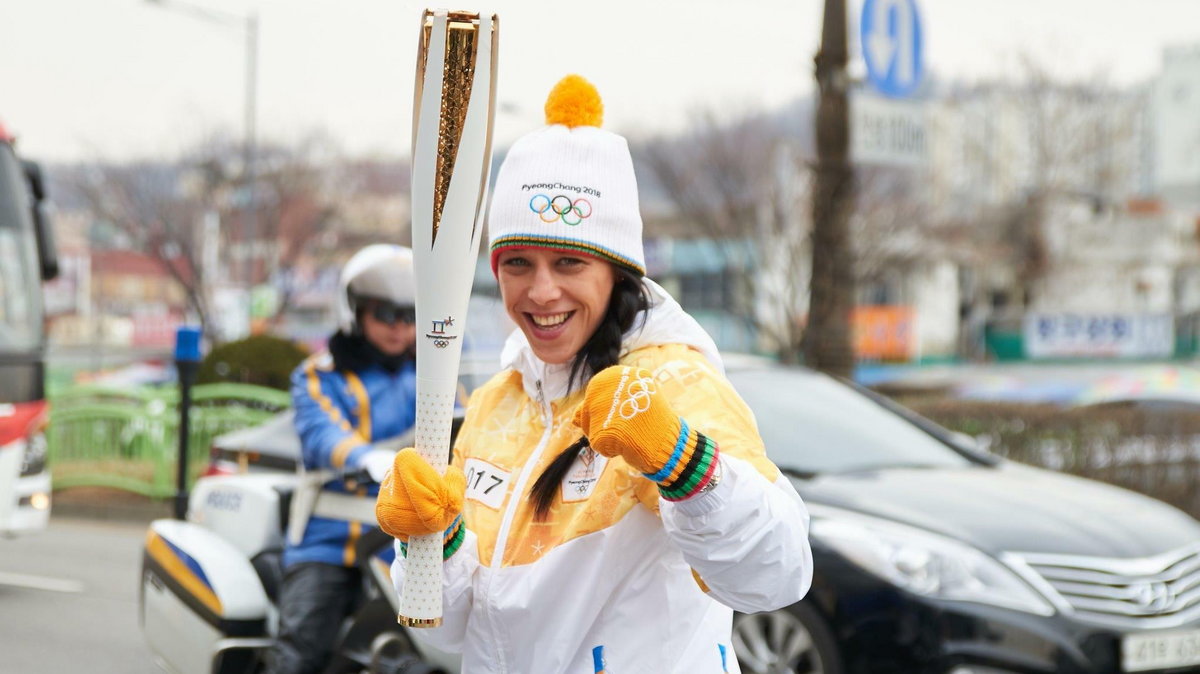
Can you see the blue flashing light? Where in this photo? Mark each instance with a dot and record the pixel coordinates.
(187, 344)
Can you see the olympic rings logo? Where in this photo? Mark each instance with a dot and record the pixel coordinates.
(638, 399)
(560, 207)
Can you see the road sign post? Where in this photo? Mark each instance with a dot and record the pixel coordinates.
(892, 46)
(887, 126)
(886, 131)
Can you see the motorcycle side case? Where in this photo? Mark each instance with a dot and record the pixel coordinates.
(202, 606)
(245, 510)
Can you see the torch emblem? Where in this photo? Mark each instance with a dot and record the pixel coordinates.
(438, 334)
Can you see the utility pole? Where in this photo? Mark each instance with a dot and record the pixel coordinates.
(827, 338)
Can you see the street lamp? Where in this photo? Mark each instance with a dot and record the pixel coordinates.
(249, 24)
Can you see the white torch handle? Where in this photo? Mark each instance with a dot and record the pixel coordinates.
(422, 599)
(447, 219)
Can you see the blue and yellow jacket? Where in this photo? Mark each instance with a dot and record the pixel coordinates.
(338, 415)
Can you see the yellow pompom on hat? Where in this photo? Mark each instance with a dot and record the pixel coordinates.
(569, 186)
(574, 102)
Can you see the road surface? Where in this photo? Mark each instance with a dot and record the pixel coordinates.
(68, 600)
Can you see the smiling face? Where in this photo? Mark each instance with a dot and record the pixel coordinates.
(558, 298)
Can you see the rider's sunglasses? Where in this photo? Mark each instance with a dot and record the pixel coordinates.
(391, 314)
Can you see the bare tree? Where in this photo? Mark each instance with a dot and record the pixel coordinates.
(142, 200)
(159, 206)
(750, 180)
(893, 224)
(302, 191)
(743, 181)
(1033, 141)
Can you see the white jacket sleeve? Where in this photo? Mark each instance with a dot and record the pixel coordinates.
(458, 579)
(747, 539)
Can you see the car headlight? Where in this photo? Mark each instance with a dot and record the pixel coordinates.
(926, 563)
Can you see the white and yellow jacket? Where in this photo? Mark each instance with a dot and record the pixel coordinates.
(616, 579)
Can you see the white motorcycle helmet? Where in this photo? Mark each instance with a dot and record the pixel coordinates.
(380, 271)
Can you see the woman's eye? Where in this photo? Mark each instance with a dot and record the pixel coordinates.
(570, 262)
(515, 262)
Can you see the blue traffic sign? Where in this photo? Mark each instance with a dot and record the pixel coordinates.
(891, 46)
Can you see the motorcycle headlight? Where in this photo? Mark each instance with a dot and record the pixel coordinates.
(926, 563)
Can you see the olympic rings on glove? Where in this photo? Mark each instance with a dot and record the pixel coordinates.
(560, 207)
(639, 393)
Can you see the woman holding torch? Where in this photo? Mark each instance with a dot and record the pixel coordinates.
(609, 504)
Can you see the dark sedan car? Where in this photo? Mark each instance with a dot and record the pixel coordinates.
(931, 556)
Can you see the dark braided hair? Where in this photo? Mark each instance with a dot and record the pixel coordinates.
(603, 349)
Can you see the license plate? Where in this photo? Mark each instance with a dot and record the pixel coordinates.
(1160, 650)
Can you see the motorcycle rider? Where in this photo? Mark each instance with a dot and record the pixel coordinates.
(360, 390)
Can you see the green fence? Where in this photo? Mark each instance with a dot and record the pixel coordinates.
(128, 438)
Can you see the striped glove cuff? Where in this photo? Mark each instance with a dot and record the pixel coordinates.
(691, 467)
(452, 539)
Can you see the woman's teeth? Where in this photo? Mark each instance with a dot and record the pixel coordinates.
(551, 321)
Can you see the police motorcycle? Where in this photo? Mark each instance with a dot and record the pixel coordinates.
(210, 584)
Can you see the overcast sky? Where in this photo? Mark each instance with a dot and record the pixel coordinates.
(125, 78)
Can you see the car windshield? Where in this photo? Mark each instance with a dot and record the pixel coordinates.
(811, 423)
(20, 298)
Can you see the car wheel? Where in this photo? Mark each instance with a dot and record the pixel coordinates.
(792, 640)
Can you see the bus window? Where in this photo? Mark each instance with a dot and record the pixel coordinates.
(20, 323)
(20, 277)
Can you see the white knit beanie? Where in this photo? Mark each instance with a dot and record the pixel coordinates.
(569, 185)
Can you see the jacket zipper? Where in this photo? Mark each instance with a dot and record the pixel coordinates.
(519, 488)
(511, 510)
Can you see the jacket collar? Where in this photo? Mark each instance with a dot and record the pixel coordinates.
(356, 354)
(665, 322)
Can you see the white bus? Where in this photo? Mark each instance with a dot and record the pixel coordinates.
(27, 258)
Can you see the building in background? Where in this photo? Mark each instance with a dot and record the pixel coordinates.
(1176, 122)
(119, 298)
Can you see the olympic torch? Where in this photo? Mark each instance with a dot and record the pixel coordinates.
(453, 109)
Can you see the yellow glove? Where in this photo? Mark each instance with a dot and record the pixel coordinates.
(623, 414)
(415, 501)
